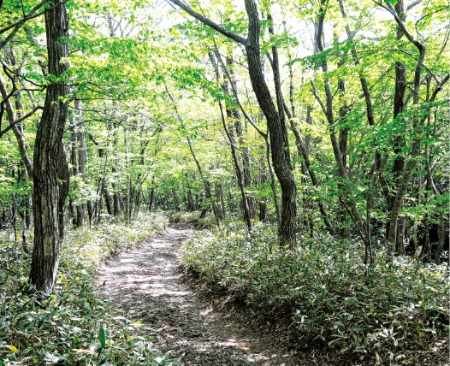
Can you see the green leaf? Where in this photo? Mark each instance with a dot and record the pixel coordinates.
(101, 336)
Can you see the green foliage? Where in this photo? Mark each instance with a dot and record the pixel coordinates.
(385, 312)
(72, 326)
(192, 218)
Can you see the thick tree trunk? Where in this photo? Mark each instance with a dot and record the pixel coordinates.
(51, 173)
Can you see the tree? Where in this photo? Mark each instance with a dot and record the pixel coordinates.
(275, 119)
(51, 173)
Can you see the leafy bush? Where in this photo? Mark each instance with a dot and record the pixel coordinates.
(192, 217)
(72, 326)
(183, 217)
(386, 312)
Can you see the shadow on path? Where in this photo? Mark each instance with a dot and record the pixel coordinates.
(146, 283)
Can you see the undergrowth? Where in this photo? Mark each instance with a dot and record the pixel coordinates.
(192, 217)
(388, 313)
(73, 326)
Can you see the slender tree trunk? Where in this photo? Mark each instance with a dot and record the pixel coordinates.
(190, 205)
(77, 161)
(176, 202)
(151, 199)
(24, 175)
(407, 167)
(236, 117)
(108, 201)
(277, 129)
(262, 134)
(302, 151)
(206, 183)
(231, 140)
(345, 196)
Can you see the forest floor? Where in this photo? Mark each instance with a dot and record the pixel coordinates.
(193, 323)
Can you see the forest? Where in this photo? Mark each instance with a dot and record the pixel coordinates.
(282, 163)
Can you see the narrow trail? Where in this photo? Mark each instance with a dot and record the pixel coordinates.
(147, 282)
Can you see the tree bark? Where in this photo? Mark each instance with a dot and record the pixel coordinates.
(345, 196)
(277, 129)
(407, 167)
(51, 173)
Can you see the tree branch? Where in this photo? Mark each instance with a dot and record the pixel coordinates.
(17, 121)
(16, 26)
(236, 97)
(400, 23)
(439, 87)
(412, 5)
(209, 22)
(316, 95)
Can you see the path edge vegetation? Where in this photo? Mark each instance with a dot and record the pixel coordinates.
(76, 324)
(385, 313)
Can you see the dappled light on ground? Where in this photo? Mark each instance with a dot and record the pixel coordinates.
(147, 283)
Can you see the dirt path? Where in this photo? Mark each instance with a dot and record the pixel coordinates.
(147, 282)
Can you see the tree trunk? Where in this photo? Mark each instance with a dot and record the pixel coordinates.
(275, 121)
(206, 184)
(108, 200)
(277, 129)
(51, 173)
(176, 202)
(151, 199)
(236, 117)
(230, 136)
(77, 160)
(417, 122)
(190, 206)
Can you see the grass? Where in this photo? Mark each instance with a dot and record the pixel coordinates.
(390, 313)
(73, 326)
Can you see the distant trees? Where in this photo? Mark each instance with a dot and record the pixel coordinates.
(296, 114)
(272, 109)
(379, 160)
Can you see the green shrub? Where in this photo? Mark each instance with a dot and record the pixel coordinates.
(192, 217)
(73, 326)
(384, 312)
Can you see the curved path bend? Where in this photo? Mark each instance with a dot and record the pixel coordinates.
(147, 282)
